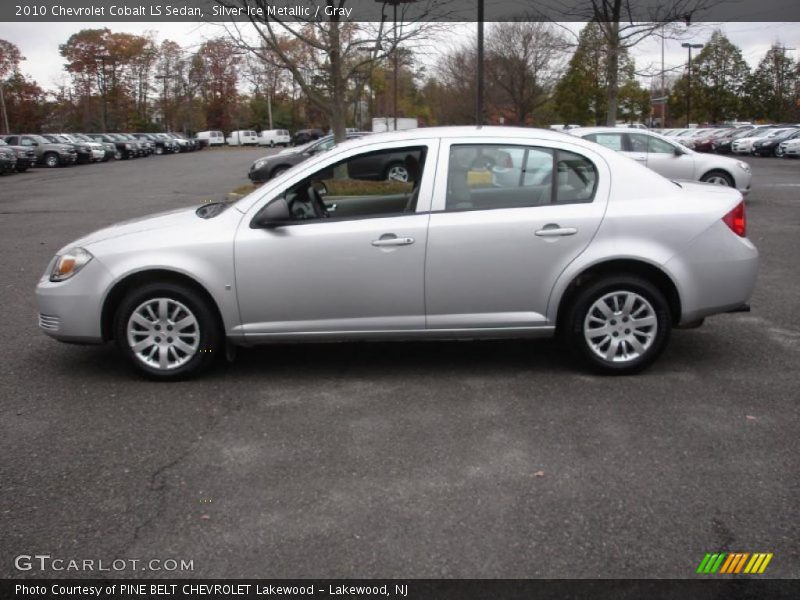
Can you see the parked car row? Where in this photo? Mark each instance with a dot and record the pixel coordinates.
(267, 137)
(19, 152)
(781, 140)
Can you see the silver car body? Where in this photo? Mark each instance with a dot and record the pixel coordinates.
(687, 165)
(474, 273)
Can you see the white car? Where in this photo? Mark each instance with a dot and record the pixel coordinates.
(744, 145)
(274, 137)
(242, 137)
(670, 159)
(789, 148)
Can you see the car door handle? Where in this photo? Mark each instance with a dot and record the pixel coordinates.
(392, 240)
(553, 230)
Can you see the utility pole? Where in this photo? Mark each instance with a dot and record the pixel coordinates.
(689, 81)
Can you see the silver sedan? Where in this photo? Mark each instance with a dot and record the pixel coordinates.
(671, 159)
(498, 232)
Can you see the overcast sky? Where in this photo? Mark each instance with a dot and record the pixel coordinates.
(39, 41)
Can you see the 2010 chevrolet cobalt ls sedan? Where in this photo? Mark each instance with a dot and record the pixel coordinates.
(498, 232)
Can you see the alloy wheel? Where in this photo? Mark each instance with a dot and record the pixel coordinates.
(163, 333)
(397, 173)
(620, 326)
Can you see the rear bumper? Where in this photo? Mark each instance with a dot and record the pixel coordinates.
(716, 273)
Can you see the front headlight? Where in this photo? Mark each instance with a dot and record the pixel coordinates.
(127, 146)
(743, 166)
(259, 163)
(69, 263)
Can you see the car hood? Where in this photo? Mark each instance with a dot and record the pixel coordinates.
(170, 219)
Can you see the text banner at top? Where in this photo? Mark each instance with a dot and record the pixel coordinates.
(681, 11)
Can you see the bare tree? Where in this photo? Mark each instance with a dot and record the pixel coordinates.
(330, 52)
(524, 61)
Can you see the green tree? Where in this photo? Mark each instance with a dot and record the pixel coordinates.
(771, 89)
(719, 76)
(581, 97)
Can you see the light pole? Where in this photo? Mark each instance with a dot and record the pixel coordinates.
(394, 4)
(479, 91)
(689, 47)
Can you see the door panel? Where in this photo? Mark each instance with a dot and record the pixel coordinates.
(326, 276)
(489, 268)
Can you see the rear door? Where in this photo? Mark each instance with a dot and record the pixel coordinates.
(497, 243)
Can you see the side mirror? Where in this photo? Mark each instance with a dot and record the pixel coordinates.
(274, 214)
(678, 151)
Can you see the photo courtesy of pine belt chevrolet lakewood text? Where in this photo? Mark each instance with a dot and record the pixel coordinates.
(494, 232)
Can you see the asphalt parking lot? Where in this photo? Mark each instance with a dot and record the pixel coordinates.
(441, 459)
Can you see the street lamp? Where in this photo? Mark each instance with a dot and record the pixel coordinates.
(479, 89)
(689, 47)
(394, 4)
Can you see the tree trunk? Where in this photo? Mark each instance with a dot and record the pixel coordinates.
(612, 72)
(338, 110)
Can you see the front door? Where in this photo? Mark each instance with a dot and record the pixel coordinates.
(357, 269)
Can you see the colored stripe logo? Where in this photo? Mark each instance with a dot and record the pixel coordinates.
(734, 563)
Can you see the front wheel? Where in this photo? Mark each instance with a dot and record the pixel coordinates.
(51, 160)
(718, 178)
(618, 325)
(167, 331)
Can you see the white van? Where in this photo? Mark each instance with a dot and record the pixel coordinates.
(274, 137)
(243, 137)
(215, 138)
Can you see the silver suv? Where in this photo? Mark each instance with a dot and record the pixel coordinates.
(497, 232)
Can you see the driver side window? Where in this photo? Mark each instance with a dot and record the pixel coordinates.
(380, 183)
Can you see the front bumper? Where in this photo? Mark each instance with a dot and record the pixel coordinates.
(70, 311)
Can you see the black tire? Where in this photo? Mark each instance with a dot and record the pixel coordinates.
(118, 155)
(22, 169)
(51, 160)
(159, 150)
(391, 166)
(277, 171)
(716, 175)
(576, 317)
(210, 342)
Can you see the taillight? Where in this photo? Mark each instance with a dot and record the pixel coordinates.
(736, 220)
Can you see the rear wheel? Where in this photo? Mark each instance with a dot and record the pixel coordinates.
(167, 331)
(618, 325)
(718, 178)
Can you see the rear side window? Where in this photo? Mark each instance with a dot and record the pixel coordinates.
(495, 176)
(612, 141)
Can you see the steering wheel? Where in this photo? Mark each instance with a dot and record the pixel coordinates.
(316, 201)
